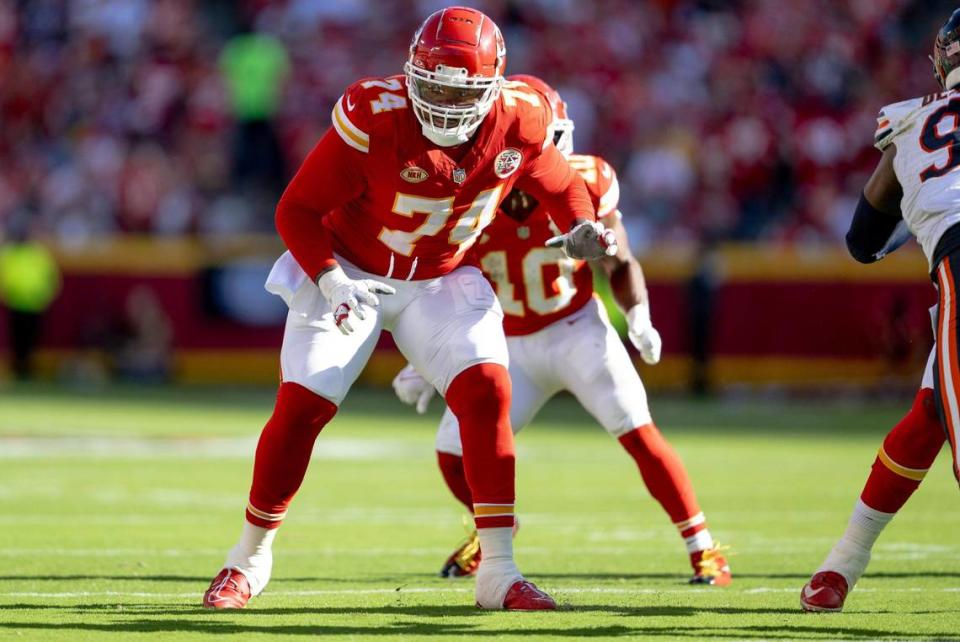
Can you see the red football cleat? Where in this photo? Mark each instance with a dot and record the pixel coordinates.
(525, 596)
(228, 590)
(711, 567)
(824, 593)
(465, 560)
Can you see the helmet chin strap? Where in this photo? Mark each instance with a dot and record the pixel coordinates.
(449, 140)
(445, 140)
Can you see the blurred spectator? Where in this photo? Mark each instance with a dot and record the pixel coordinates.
(744, 119)
(255, 67)
(702, 302)
(145, 342)
(29, 282)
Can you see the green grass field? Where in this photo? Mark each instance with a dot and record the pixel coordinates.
(117, 507)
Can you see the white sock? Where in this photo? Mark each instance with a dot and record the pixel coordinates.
(253, 555)
(497, 572)
(700, 541)
(851, 554)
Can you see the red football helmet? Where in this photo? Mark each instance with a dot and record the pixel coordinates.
(561, 129)
(454, 73)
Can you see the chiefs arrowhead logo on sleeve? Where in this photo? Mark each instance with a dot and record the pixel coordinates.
(507, 162)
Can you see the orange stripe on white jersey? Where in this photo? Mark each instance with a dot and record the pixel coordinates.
(947, 353)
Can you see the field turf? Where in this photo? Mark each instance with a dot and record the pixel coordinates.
(117, 507)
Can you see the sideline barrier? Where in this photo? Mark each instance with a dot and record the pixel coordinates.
(781, 316)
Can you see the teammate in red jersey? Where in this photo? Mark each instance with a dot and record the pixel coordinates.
(559, 338)
(388, 203)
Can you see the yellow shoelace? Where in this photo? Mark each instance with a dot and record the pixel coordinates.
(468, 551)
(710, 561)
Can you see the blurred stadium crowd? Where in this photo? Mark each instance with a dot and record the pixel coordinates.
(746, 119)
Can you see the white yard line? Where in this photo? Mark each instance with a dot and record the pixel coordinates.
(176, 552)
(891, 551)
(600, 590)
(384, 591)
(438, 551)
(333, 448)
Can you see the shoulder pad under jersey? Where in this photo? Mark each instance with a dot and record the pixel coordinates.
(529, 109)
(895, 119)
(601, 180)
(363, 103)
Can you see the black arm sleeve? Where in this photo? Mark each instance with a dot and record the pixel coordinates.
(870, 230)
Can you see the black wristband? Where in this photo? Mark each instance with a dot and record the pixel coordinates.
(869, 231)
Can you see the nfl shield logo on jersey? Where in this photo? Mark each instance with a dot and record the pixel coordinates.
(459, 175)
(507, 162)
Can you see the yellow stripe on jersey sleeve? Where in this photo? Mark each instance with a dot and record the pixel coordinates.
(349, 132)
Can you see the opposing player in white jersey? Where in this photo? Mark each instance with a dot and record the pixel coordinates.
(559, 338)
(916, 186)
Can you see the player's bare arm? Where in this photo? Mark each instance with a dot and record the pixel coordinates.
(622, 269)
(630, 290)
(877, 216)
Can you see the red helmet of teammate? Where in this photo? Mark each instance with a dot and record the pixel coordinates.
(454, 73)
(561, 128)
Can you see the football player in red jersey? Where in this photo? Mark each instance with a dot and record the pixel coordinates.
(559, 338)
(377, 222)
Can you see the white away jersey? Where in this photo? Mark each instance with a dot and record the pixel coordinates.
(926, 132)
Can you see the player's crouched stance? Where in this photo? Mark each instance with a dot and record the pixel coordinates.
(559, 338)
(377, 222)
(913, 188)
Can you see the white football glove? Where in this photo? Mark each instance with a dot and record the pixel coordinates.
(412, 389)
(643, 335)
(346, 295)
(588, 240)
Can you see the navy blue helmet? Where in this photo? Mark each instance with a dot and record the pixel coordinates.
(946, 52)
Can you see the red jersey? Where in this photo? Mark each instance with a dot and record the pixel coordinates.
(539, 285)
(394, 204)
